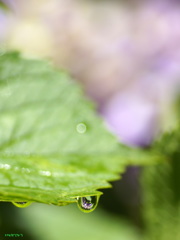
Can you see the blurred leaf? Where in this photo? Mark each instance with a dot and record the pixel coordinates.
(3, 6)
(51, 222)
(53, 147)
(161, 205)
(161, 191)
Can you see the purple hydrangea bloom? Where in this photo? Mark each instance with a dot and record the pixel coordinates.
(134, 113)
(131, 118)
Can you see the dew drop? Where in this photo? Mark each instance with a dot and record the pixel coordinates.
(81, 128)
(87, 204)
(21, 204)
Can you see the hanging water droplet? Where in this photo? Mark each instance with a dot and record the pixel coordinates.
(81, 128)
(21, 204)
(87, 204)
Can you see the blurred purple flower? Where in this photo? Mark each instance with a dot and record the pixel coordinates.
(2, 25)
(6, 20)
(131, 118)
(133, 114)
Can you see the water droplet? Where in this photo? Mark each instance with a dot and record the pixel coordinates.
(45, 173)
(25, 170)
(21, 204)
(5, 166)
(81, 128)
(87, 204)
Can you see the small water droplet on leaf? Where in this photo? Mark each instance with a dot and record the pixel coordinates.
(21, 204)
(81, 128)
(87, 204)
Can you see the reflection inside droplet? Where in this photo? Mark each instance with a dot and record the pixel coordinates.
(21, 204)
(81, 128)
(88, 204)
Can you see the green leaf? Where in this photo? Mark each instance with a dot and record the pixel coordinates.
(53, 146)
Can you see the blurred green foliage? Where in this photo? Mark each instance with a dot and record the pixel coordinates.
(161, 188)
(3, 6)
(68, 222)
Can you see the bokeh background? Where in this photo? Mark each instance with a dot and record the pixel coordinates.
(126, 55)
